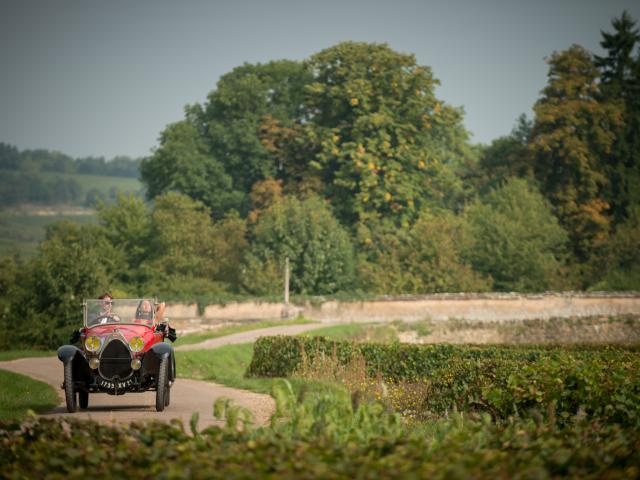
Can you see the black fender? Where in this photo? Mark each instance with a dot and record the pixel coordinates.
(162, 349)
(79, 364)
(66, 353)
(151, 360)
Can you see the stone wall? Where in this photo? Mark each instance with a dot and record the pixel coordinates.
(471, 307)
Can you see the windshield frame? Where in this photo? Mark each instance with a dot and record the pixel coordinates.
(120, 311)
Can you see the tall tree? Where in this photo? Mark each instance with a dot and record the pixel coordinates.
(515, 238)
(188, 255)
(127, 226)
(574, 130)
(73, 262)
(386, 143)
(426, 258)
(235, 110)
(215, 154)
(183, 163)
(505, 157)
(319, 249)
(621, 83)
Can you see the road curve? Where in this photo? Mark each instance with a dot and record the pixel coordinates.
(252, 336)
(187, 396)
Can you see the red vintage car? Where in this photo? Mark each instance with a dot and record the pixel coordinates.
(122, 349)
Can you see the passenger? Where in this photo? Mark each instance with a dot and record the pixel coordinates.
(144, 313)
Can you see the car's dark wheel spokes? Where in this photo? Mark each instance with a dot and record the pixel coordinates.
(83, 398)
(162, 387)
(69, 390)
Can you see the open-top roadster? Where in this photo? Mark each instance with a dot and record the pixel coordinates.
(122, 349)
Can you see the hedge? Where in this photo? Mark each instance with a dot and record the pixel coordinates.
(74, 449)
(499, 380)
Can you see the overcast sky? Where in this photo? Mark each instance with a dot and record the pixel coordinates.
(104, 77)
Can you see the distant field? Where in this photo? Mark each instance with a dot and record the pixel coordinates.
(23, 227)
(101, 183)
(21, 231)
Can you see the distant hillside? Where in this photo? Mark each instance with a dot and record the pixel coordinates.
(22, 229)
(39, 187)
(47, 177)
(53, 188)
(50, 161)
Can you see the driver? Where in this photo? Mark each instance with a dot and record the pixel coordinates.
(106, 312)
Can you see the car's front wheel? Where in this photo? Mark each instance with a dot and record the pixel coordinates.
(162, 388)
(69, 390)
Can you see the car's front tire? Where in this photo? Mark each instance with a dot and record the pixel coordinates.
(69, 390)
(162, 389)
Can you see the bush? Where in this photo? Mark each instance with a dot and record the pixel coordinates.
(319, 249)
(455, 448)
(517, 240)
(499, 380)
(427, 258)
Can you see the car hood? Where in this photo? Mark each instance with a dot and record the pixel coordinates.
(126, 330)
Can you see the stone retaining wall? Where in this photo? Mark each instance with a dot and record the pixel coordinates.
(472, 307)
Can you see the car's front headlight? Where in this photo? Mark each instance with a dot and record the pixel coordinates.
(92, 344)
(136, 344)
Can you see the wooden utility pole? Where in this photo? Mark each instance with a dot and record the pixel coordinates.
(285, 312)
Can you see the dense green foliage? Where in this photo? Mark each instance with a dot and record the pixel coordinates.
(573, 132)
(324, 438)
(620, 83)
(318, 248)
(386, 143)
(215, 155)
(517, 241)
(498, 380)
(430, 257)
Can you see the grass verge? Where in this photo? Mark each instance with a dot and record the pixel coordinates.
(369, 332)
(15, 354)
(18, 394)
(227, 366)
(245, 327)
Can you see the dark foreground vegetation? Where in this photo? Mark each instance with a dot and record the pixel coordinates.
(454, 448)
(349, 165)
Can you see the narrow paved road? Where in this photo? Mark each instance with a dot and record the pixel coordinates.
(187, 396)
(252, 336)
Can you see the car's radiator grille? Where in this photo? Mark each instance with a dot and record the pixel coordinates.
(115, 361)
